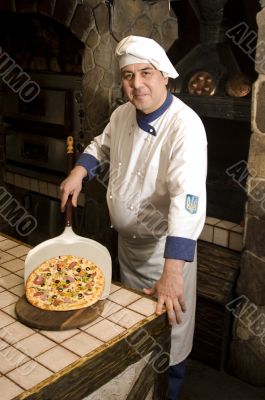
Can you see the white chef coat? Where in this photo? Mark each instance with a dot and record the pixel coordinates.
(156, 196)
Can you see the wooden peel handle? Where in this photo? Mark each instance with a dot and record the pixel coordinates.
(70, 164)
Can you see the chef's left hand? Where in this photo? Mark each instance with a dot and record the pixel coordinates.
(169, 290)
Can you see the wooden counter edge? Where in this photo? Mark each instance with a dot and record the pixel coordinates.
(77, 373)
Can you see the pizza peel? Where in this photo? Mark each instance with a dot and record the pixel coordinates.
(68, 243)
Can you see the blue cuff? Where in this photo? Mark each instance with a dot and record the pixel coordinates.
(180, 248)
(90, 163)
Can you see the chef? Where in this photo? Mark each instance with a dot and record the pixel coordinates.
(157, 153)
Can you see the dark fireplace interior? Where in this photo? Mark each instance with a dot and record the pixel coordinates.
(39, 43)
(228, 143)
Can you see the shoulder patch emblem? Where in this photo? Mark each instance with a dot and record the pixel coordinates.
(191, 203)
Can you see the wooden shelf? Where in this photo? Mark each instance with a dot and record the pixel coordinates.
(224, 107)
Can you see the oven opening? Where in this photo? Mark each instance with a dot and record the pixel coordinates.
(35, 107)
(35, 151)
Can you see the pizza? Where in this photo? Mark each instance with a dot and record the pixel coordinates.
(65, 283)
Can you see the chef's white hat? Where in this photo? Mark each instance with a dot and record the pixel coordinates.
(138, 49)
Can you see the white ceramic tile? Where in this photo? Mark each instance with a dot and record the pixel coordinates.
(2, 289)
(29, 374)
(110, 308)
(9, 177)
(34, 345)
(43, 187)
(220, 237)
(34, 185)
(2, 238)
(235, 241)
(18, 290)
(225, 224)
(10, 281)
(52, 190)
(207, 233)
(25, 182)
(18, 180)
(19, 250)
(11, 358)
(82, 344)
(126, 318)
(105, 330)
(13, 333)
(10, 310)
(3, 345)
(238, 229)
(124, 297)
(114, 288)
(14, 265)
(5, 319)
(212, 221)
(9, 390)
(59, 336)
(3, 272)
(7, 244)
(144, 306)
(57, 358)
(58, 192)
(20, 273)
(7, 298)
(5, 257)
(83, 328)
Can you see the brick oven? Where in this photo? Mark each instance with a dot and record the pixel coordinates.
(64, 46)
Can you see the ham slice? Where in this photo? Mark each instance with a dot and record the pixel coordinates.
(39, 280)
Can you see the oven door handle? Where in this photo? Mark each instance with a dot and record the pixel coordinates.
(70, 164)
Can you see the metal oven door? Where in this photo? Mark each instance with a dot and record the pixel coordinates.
(37, 151)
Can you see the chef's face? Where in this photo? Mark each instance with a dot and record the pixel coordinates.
(144, 86)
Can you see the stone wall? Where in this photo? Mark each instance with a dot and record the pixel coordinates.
(247, 355)
(111, 24)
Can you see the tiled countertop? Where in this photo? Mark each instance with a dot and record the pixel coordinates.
(30, 358)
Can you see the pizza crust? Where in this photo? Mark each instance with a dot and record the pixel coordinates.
(65, 283)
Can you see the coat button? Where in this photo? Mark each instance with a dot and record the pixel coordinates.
(110, 196)
(139, 173)
(131, 208)
(134, 236)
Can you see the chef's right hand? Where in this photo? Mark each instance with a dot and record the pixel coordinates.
(72, 185)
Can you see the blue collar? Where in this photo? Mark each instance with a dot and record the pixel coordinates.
(144, 120)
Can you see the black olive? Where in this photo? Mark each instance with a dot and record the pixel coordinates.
(80, 295)
(57, 281)
(48, 274)
(87, 268)
(78, 269)
(67, 281)
(79, 284)
(54, 296)
(58, 268)
(60, 289)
